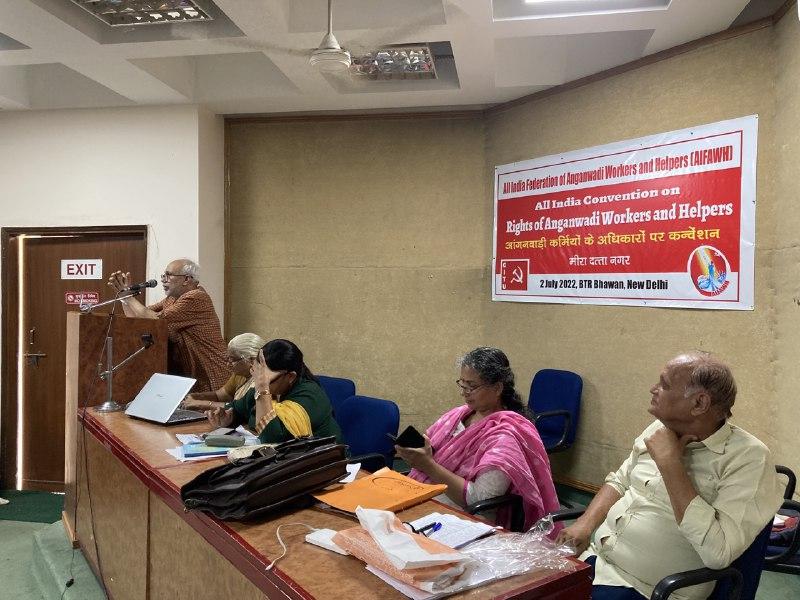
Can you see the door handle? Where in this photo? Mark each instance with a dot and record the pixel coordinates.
(32, 358)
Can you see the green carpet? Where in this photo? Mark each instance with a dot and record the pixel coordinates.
(36, 560)
(15, 558)
(34, 507)
(54, 562)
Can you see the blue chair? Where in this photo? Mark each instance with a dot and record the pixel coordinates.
(737, 582)
(365, 422)
(786, 559)
(337, 389)
(783, 548)
(555, 401)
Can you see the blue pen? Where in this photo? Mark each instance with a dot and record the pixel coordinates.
(430, 528)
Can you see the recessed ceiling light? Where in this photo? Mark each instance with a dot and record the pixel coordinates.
(395, 62)
(538, 9)
(119, 13)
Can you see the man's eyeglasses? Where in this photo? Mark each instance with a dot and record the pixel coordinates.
(468, 388)
(235, 361)
(166, 275)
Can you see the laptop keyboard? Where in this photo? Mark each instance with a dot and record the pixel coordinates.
(181, 414)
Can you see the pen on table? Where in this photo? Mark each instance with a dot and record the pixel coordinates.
(430, 528)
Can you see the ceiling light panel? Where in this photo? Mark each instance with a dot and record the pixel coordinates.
(507, 10)
(117, 13)
(395, 62)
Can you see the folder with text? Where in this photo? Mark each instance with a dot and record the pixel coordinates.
(385, 490)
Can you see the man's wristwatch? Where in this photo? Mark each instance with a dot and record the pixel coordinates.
(261, 393)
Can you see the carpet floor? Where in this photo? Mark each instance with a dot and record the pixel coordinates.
(35, 507)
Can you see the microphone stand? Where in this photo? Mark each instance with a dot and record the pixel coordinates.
(147, 340)
(87, 308)
(109, 405)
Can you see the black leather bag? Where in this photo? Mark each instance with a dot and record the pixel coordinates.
(273, 478)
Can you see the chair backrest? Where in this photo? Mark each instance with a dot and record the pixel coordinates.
(553, 389)
(365, 422)
(791, 481)
(750, 564)
(783, 549)
(338, 389)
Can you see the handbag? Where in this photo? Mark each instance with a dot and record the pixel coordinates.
(273, 478)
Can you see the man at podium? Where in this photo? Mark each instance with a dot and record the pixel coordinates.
(196, 348)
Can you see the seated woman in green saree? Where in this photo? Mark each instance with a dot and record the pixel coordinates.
(285, 402)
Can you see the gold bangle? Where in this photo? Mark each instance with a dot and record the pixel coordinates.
(264, 421)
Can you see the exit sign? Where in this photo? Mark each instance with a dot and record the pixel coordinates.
(82, 268)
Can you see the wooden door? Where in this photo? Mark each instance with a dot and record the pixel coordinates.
(40, 291)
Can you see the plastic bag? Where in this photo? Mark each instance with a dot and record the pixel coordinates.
(383, 542)
(508, 554)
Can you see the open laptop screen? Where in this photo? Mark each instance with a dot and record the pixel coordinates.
(159, 397)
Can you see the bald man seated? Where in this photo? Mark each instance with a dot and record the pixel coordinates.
(196, 348)
(694, 492)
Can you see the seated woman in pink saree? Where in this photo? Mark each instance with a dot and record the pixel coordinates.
(489, 446)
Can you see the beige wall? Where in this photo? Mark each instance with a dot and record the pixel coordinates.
(364, 242)
(369, 243)
(781, 247)
(620, 350)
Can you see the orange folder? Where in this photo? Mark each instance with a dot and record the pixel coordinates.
(384, 489)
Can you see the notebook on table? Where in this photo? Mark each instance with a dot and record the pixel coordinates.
(192, 450)
(384, 489)
(158, 401)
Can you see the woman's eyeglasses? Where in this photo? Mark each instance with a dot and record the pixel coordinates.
(468, 388)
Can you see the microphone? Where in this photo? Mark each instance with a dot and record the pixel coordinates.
(141, 286)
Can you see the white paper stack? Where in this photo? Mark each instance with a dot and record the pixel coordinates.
(455, 531)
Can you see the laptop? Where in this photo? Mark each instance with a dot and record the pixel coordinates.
(158, 401)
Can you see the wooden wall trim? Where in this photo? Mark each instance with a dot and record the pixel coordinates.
(134, 229)
(781, 12)
(8, 360)
(226, 228)
(332, 117)
(577, 484)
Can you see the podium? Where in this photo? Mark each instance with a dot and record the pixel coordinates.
(86, 335)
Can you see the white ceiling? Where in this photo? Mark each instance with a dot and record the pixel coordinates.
(253, 57)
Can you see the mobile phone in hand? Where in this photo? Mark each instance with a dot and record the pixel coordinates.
(410, 438)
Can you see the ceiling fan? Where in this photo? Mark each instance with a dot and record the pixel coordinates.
(330, 56)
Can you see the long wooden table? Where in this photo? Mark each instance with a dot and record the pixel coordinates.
(135, 533)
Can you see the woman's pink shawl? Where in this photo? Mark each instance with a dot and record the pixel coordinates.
(504, 440)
